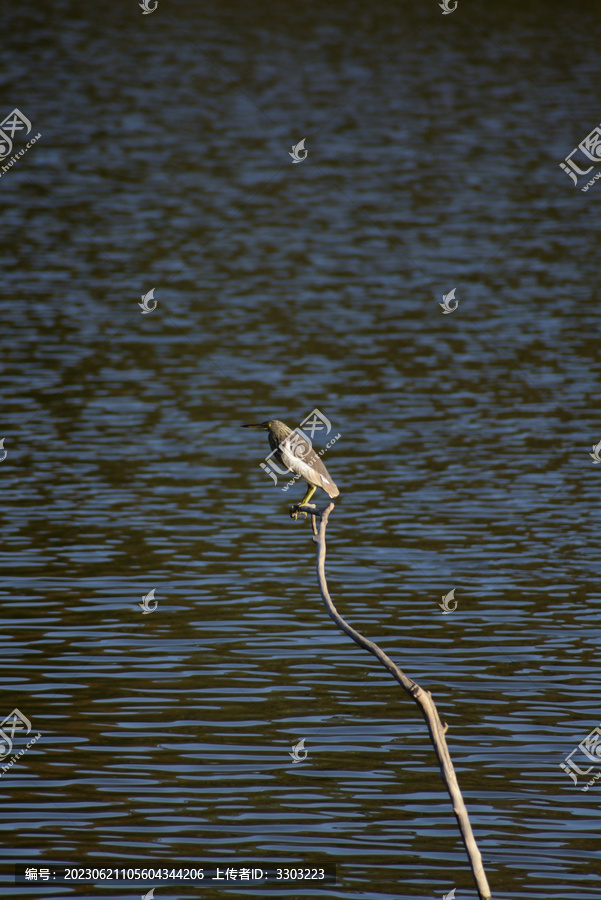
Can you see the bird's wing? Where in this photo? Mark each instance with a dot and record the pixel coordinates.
(299, 456)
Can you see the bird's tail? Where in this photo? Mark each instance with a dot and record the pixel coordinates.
(331, 490)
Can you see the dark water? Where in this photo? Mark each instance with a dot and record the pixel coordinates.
(434, 144)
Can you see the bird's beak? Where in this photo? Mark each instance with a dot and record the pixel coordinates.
(252, 426)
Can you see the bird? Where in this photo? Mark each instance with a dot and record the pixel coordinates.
(293, 451)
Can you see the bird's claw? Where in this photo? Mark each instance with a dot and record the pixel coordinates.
(296, 511)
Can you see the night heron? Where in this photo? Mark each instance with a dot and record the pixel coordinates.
(296, 454)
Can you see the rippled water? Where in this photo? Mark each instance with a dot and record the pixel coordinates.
(433, 145)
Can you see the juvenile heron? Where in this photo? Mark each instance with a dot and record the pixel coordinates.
(297, 455)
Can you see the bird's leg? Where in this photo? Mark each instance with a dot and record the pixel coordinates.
(295, 509)
(310, 491)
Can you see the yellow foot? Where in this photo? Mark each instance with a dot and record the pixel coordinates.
(296, 511)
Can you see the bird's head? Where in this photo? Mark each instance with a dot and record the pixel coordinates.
(273, 426)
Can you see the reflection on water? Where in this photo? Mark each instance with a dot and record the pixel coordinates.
(433, 164)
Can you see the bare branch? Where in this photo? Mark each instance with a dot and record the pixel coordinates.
(421, 697)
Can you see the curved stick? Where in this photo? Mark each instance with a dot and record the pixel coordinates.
(421, 697)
